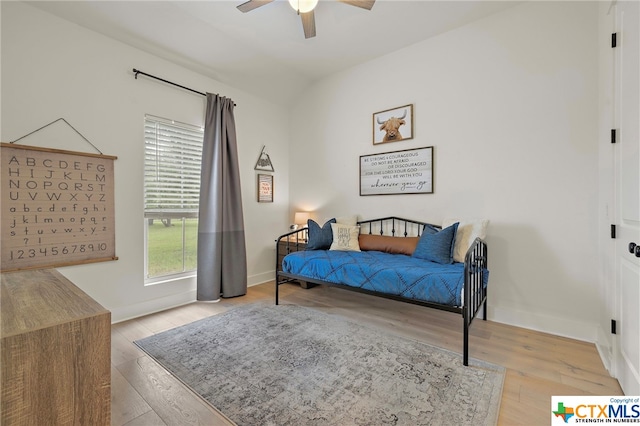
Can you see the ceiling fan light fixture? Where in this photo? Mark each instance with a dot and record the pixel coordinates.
(303, 6)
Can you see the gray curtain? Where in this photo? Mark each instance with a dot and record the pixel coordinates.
(222, 259)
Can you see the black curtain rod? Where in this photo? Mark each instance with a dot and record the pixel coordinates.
(136, 72)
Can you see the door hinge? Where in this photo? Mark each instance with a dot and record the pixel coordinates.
(614, 40)
(613, 135)
(613, 231)
(613, 327)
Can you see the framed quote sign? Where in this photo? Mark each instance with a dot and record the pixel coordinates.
(265, 188)
(57, 208)
(398, 172)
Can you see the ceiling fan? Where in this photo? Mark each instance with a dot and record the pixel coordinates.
(304, 8)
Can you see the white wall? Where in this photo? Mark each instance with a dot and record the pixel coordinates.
(510, 104)
(52, 68)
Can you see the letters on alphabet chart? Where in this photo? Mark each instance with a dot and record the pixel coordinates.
(57, 207)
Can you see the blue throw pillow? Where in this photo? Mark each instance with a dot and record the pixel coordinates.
(430, 229)
(320, 238)
(437, 247)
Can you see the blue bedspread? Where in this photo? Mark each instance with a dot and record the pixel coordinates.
(395, 274)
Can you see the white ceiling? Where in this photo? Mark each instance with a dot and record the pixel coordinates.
(264, 52)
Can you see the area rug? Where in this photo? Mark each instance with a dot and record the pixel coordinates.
(280, 365)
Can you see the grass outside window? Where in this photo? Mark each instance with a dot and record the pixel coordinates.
(171, 246)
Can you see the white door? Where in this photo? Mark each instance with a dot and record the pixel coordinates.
(627, 166)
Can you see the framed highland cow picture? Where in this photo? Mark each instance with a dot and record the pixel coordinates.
(393, 125)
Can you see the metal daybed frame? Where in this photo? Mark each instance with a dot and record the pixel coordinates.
(475, 289)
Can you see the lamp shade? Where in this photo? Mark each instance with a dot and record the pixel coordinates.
(303, 6)
(301, 218)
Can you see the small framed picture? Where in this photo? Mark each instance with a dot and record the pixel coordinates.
(265, 188)
(393, 125)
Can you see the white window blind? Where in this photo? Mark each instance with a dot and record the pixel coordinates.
(173, 153)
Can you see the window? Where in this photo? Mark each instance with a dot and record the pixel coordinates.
(173, 153)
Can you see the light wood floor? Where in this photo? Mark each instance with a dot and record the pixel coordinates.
(538, 365)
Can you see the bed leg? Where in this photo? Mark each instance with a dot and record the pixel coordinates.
(276, 290)
(465, 349)
(484, 310)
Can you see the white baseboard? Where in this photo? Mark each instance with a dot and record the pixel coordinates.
(590, 332)
(128, 312)
(603, 344)
(261, 278)
(558, 326)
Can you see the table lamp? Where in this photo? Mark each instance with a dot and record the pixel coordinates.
(300, 219)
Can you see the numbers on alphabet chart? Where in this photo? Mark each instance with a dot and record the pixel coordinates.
(56, 251)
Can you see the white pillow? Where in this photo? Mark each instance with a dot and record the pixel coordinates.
(345, 237)
(347, 220)
(468, 231)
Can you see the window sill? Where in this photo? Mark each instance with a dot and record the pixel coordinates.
(169, 279)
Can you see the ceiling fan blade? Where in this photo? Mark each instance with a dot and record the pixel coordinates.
(308, 24)
(365, 4)
(252, 4)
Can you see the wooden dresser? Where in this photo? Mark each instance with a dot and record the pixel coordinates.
(55, 352)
